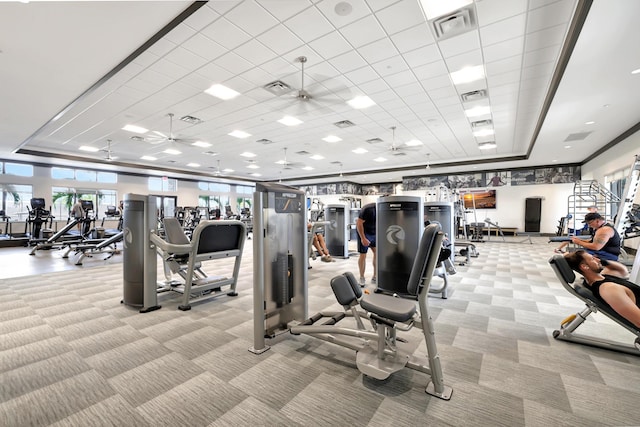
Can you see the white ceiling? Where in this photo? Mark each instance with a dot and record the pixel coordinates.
(65, 85)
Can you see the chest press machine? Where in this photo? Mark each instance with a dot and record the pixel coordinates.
(567, 327)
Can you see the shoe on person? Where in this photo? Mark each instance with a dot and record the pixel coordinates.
(363, 282)
(374, 280)
(325, 258)
(558, 251)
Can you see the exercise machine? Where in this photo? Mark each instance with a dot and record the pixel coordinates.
(337, 234)
(567, 327)
(38, 217)
(91, 248)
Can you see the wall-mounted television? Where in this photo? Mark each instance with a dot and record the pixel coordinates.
(480, 200)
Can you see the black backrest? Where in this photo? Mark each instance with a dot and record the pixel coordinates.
(174, 232)
(220, 236)
(342, 290)
(562, 269)
(354, 283)
(426, 258)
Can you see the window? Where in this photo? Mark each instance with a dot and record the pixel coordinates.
(62, 173)
(16, 200)
(163, 184)
(82, 175)
(18, 169)
(107, 177)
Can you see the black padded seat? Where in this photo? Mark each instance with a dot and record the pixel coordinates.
(397, 309)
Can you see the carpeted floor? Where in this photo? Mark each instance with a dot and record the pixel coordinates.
(72, 355)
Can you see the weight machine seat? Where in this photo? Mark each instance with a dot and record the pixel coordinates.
(402, 310)
(567, 276)
(209, 237)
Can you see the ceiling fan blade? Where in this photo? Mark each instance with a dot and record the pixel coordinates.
(160, 134)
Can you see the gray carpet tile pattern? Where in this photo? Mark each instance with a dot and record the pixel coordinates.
(72, 355)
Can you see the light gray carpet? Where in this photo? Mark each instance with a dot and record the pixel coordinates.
(72, 355)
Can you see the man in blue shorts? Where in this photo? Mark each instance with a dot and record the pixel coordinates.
(366, 227)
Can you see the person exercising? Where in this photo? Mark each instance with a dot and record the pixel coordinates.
(606, 240)
(608, 283)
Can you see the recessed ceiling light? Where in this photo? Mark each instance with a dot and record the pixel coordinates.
(360, 102)
(307, 168)
(289, 121)
(567, 146)
(317, 157)
(360, 150)
(172, 151)
(252, 166)
(487, 145)
(554, 160)
(222, 92)
(227, 170)
(480, 110)
(636, 71)
(150, 158)
(193, 165)
(435, 8)
(379, 159)
(88, 148)
(136, 129)
(483, 132)
(202, 144)
(413, 143)
(255, 174)
(467, 75)
(332, 138)
(247, 154)
(239, 134)
(589, 123)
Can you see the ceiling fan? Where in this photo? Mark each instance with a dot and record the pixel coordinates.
(287, 165)
(318, 100)
(160, 137)
(109, 157)
(398, 150)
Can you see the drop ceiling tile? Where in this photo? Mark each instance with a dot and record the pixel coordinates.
(226, 33)
(400, 79)
(222, 7)
(204, 17)
(436, 82)
(185, 58)
(413, 38)
(468, 59)
(255, 52)
(550, 15)
(432, 70)
(214, 72)
(180, 34)
(422, 56)
(334, 12)
(503, 78)
(503, 49)
(495, 68)
(204, 47)
(284, 9)
(362, 75)
(378, 51)
(364, 31)
(400, 16)
(503, 30)
(541, 56)
(330, 45)
(233, 63)
(348, 62)
(545, 38)
(322, 71)
(490, 11)
(161, 47)
(469, 41)
(390, 66)
(251, 17)
(309, 25)
(407, 90)
(280, 40)
(145, 59)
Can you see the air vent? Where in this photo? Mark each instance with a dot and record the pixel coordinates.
(374, 140)
(137, 138)
(481, 124)
(398, 153)
(474, 95)
(577, 136)
(264, 141)
(336, 163)
(171, 161)
(278, 87)
(455, 23)
(211, 153)
(303, 153)
(344, 124)
(191, 119)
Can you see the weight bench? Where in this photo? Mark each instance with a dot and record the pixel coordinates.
(379, 352)
(211, 240)
(567, 276)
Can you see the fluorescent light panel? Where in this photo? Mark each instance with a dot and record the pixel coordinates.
(360, 150)
(480, 110)
(290, 121)
(379, 159)
(239, 134)
(247, 154)
(487, 145)
(332, 138)
(467, 75)
(413, 143)
(150, 158)
(483, 132)
(193, 165)
(360, 102)
(317, 157)
(222, 92)
(172, 151)
(201, 144)
(88, 148)
(253, 167)
(135, 129)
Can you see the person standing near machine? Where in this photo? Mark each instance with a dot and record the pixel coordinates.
(366, 228)
(77, 212)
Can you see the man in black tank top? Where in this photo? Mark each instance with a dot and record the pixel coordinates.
(607, 281)
(606, 240)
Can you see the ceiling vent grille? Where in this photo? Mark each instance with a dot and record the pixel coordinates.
(264, 141)
(481, 124)
(191, 119)
(336, 163)
(374, 140)
(577, 136)
(398, 153)
(303, 153)
(455, 23)
(344, 124)
(136, 138)
(278, 87)
(211, 153)
(474, 95)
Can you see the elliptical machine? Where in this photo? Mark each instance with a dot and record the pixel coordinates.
(38, 216)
